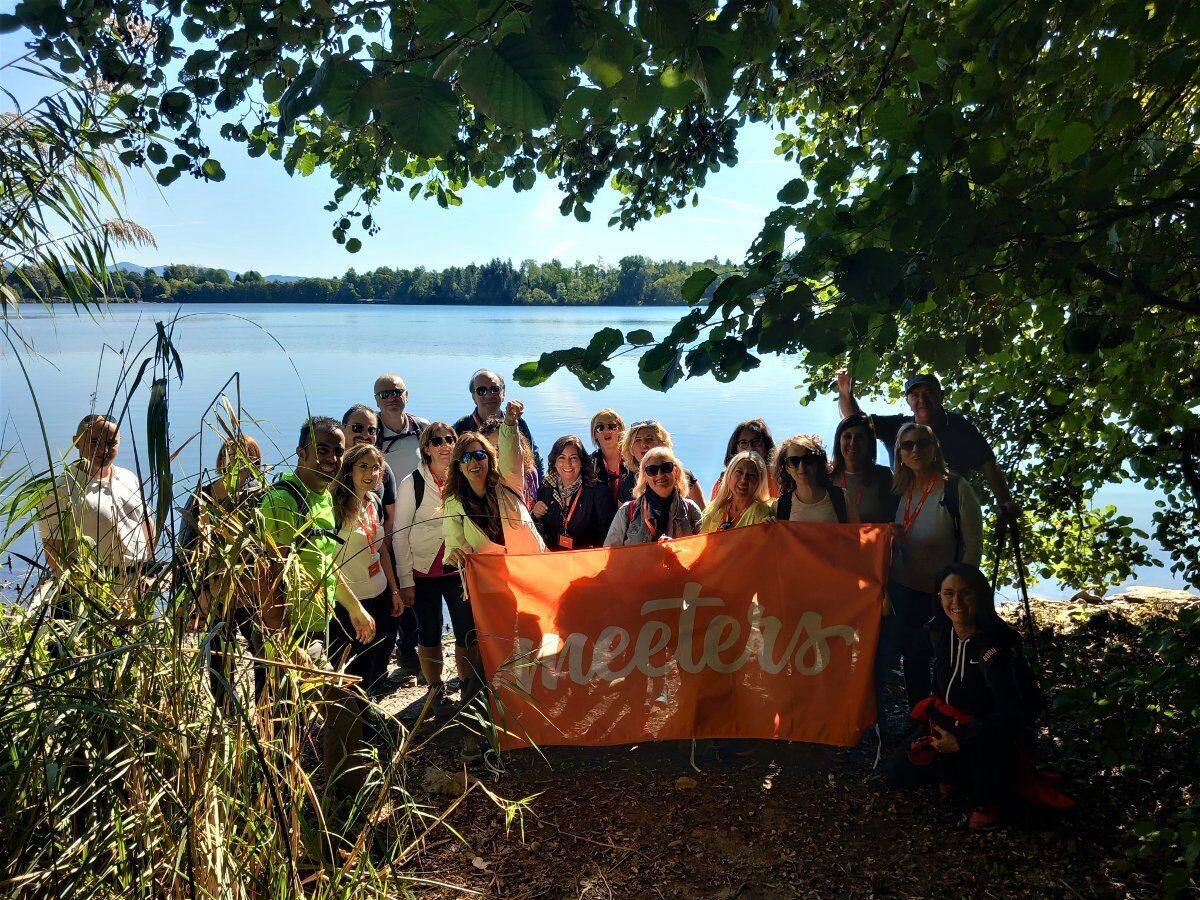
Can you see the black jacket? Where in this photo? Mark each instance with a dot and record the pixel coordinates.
(601, 472)
(589, 523)
(986, 677)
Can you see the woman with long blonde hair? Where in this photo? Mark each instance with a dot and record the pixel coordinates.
(639, 438)
(744, 495)
(938, 522)
(660, 508)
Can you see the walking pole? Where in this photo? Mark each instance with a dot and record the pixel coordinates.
(1029, 623)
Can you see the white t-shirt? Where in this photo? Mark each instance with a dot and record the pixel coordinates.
(821, 511)
(358, 558)
(108, 511)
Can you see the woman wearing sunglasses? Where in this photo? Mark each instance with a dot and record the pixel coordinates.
(805, 492)
(607, 429)
(485, 510)
(742, 498)
(573, 510)
(937, 523)
(660, 509)
(419, 546)
(867, 484)
(639, 438)
(362, 427)
(755, 436)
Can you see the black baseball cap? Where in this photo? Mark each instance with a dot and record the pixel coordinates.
(916, 380)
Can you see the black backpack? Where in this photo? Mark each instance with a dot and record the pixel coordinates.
(951, 500)
(302, 507)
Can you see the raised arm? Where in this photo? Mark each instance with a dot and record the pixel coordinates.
(847, 405)
(512, 465)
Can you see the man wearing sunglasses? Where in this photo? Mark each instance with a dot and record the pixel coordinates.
(965, 449)
(399, 431)
(487, 392)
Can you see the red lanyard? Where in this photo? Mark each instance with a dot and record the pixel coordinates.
(861, 488)
(370, 523)
(646, 518)
(571, 511)
(909, 519)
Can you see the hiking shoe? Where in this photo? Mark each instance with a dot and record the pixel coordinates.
(983, 818)
(440, 706)
(409, 662)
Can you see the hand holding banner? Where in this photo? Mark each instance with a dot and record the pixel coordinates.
(768, 631)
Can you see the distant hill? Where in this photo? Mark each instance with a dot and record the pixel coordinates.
(158, 270)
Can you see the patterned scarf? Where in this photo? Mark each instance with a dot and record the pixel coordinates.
(563, 493)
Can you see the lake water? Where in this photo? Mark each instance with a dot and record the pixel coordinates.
(326, 358)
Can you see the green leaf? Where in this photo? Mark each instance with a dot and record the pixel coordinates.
(167, 176)
(987, 159)
(156, 153)
(696, 284)
(341, 98)
(1074, 140)
(519, 83)
(869, 274)
(795, 191)
(212, 170)
(712, 70)
(421, 113)
(438, 18)
(604, 342)
(530, 374)
(353, 245)
(923, 54)
(666, 24)
(1114, 62)
(639, 337)
(192, 30)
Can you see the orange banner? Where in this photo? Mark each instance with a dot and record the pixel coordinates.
(761, 632)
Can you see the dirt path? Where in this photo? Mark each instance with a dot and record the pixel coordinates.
(784, 820)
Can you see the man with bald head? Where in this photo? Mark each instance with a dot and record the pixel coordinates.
(487, 392)
(398, 430)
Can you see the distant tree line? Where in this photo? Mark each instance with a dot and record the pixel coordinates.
(634, 281)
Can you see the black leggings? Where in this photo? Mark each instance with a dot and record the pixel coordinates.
(222, 654)
(428, 606)
(988, 769)
(368, 661)
(904, 636)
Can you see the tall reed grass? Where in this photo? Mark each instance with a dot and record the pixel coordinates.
(121, 774)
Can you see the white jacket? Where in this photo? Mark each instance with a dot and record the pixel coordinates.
(417, 532)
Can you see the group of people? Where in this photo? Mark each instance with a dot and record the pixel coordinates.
(361, 543)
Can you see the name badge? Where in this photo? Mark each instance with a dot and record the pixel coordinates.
(373, 569)
(566, 542)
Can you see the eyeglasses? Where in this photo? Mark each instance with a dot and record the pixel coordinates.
(607, 426)
(359, 428)
(808, 459)
(654, 468)
(439, 440)
(476, 455)
(647, 422)
(918, 444)
(748, 445)
(484, 389)
(392, 394)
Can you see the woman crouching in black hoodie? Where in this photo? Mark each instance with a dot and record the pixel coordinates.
(984, 697)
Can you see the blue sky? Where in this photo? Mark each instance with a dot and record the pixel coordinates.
(260, 218)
